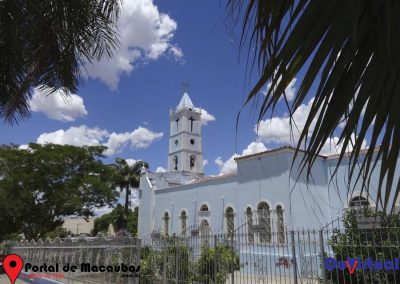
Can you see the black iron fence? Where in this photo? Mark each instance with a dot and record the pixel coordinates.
(256, 255)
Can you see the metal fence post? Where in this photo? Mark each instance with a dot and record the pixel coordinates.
(294, 258)
(215, 258)
(232, 261)
(177, 251)
(321, 245)
(164, 281)
(138, 256)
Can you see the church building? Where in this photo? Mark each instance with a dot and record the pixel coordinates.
(267, 188)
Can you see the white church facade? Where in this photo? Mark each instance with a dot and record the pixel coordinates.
(265, 190)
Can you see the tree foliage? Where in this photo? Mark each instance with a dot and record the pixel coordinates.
(59, 232)
(347, 55)
(45, 182)
(126, 177)
(46, 44)
(214, 264)
(116, 218)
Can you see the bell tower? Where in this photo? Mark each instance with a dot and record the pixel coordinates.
(185, 151)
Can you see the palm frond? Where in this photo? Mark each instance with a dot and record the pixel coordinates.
(348, 50)
(44, 43)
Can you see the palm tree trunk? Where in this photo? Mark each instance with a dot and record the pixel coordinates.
(126, 211)
(127, 199)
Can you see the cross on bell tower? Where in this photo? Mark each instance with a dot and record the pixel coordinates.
(185, 87)
(191, 122)
(185, 150)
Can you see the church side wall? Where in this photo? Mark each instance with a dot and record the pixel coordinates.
(308, 196)
(265, 179)
(146, 206)
(341, 191)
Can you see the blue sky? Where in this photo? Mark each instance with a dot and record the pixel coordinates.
(124, 102)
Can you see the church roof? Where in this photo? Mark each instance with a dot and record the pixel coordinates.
(292, 149)
(185, 102)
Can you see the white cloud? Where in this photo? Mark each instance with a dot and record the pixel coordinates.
(160, 170)
(24, 147)
(130, 162)
(230, 166)
(140, 138)
(332, 146)
(78, 136)
(205, 162)
(101, 211)
(134, 198)
(58, 105)
(145, 34)
(253, 148)
(278, 129)
(290, 90)
(206, 117)
(176, 51)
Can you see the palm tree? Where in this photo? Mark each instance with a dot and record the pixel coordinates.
(45, 43)
(126, 177)
(347, 55)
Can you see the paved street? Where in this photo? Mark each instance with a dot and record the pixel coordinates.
(4, 280)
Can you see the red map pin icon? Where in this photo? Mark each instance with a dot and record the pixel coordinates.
(12, 265)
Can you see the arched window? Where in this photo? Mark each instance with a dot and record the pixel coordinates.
(359, 201)
(280, 225)
(175, 163)
(249, 218)
(192, 161)
(264, 220)
(166, 223)
(183, 222)
(203, 208)
(230, 220)
(204, 230)
(177, 124)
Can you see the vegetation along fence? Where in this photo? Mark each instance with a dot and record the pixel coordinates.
(244, 256)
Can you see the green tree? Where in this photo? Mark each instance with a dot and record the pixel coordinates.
(45, 43)
(59, 232)
(40, 185)
(102, 223)
(116, 218)
(346, 54)
(214, 264)
(126, 177)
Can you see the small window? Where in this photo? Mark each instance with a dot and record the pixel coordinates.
(359, 201)
(166, 223)
(249, 217)
(204, 230)
(183, 222)
(204, 207)
(230, 221)
(192, 141)
(264, 220)
(192, 162)
(280, 224)
(176, 142)
(175, 163)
